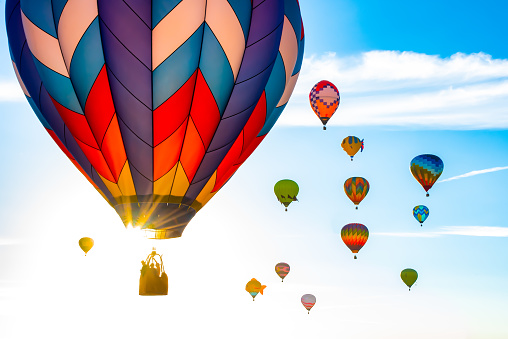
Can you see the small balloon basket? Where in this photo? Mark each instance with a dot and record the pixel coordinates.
(153, 279)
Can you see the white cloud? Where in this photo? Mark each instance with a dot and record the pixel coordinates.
(10, 91)
(473, 173)
(407, 88)
(474, 231)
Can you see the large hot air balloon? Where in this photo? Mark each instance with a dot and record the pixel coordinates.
(286, 191)
(86, 244)
(356, 189)
(282, 270)
(426, 168)
(308, 301)
(324, 99)
(351, 145)
(159, 102)
(409, 277)
(354, 236)
(421, 213)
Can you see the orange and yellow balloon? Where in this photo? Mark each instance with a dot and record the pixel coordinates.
(354, 236)
(356, 189)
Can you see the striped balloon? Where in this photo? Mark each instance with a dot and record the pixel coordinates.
(421, 213)
(426, 168)
(308, 301)
(356, 189)
(156, 102)
(354, 236)
(324, 99)
(282, 270)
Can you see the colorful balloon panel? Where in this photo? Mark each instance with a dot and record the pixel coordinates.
(354, 236)
(282, 270)
(324, 99)
(286, 191)
(421, 213)
(356, 189)
(158, 102)
(351, 145)
(409, 277)
(308, 301)
(426, 169)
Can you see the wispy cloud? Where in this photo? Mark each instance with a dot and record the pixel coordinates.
(407, 88)
(7, 241)
(473, 173)
(10, 91)
(474, 231)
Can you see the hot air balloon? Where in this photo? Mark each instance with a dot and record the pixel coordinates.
(426, 168)
(286, 191)
(324, 99)
(356, 189)
(282, 269)
(308, 301)
(409, 277)
(157, 103)
(86, 244)
(354, 236)
(421, 213)
(351, 145)
(254, 287)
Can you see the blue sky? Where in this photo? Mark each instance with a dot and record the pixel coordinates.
(413, 79)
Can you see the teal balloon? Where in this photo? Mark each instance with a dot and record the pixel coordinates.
(421, 213)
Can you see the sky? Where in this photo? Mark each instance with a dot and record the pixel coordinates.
(414, 78)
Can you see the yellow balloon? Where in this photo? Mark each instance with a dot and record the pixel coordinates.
(86, 244)
(352, 145)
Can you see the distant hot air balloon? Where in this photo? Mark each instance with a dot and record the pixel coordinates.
(86, 244)
(409, 277)
(308, 301)
(282, 269)
(351, 145)
(421, 213)
(254, 287)
(286, 191)
(324, 99)
(354, 236)
(157, 103)
(426, 168)
(356, 189)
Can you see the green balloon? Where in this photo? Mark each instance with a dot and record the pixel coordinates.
(286, 191)
(409, 277)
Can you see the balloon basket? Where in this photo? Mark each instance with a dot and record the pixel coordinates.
(153, 279)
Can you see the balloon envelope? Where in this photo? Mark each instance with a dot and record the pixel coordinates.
(421, 213)
(426, 168)
(409, 277)
(308, 301)
(351, 145)
(254, 287)
(324, 99)
(286, 191)
(356, 189)
(354, 236)
(86, 244)
(157, 103)
(282, 270)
